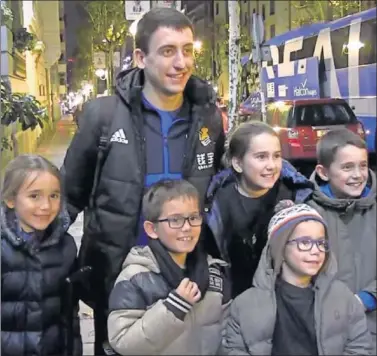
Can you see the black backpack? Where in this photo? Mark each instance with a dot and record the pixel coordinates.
(83, 285)
(106, 113)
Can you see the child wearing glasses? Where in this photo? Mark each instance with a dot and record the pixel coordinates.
(345, 195)
(170, 298)
(296, 306)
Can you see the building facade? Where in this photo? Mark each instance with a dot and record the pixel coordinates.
(32, 70)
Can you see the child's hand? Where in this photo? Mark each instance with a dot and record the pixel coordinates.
(189, 291)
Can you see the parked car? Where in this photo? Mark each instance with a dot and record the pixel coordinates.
(301, 123)
(250, 109)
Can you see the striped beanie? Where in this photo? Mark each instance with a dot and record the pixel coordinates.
(283, 223)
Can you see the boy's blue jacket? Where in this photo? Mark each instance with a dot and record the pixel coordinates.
(33, 273)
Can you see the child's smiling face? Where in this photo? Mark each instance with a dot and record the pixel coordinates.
(37, 202)
(305, 252)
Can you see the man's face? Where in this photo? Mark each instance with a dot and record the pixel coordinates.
(170, 60)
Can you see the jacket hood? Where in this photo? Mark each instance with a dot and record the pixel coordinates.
(265, 277)
(10, 227)
(289, 175)
(129, 85)
(334, 203)
(141, 256)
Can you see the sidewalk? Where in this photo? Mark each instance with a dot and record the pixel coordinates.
(54, 150)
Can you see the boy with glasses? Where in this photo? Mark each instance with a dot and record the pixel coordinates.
(296, 306)
(170, 298)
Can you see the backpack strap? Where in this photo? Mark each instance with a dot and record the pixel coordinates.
(106, 113)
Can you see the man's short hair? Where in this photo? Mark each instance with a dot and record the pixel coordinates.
(164, 191)
(154, 19)
(332, 141)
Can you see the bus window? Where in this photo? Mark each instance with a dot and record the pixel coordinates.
(368, 53)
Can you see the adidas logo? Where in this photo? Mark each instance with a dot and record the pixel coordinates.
(119, 136)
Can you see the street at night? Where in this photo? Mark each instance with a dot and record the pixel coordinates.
(183, 177)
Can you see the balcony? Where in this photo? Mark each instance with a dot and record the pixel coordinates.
(62, 67)
(19, 65)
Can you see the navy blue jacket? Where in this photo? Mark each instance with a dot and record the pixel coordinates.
(217, 233)
(34, 319)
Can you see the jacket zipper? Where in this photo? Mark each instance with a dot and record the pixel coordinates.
(190, 151)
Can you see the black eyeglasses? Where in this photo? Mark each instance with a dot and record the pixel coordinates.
(306, 244)
(177, 222)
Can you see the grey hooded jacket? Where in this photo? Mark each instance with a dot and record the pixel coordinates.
(143, 322)
(339, 318)
(352, 232)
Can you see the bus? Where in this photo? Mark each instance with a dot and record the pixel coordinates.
(346, 54)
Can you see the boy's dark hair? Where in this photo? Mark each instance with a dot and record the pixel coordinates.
(240, 139)
(332, 141)
(154, 19)
(164, 191)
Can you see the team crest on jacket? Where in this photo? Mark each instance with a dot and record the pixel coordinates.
(204, 136)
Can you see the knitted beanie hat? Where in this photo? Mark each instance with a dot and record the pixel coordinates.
(282, 225)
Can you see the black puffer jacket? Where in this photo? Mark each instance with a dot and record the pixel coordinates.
(33, 305)
(112, 227)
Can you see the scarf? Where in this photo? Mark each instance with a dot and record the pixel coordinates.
(196, 266)
(325, 189)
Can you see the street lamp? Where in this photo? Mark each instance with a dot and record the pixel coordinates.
(101, 73)
(133, 28)
(198, 46)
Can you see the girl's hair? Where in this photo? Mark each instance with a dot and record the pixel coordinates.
(240, 139)
(19, 169)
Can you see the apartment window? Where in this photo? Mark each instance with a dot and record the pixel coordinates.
(272, 31)
(62, 78)
(217, 8)
(263, 12)
(42, 91)
(272, 7)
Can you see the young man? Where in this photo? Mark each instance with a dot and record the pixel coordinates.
(345, 195)
(296, 306)
(170, 298)
(164, 124)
